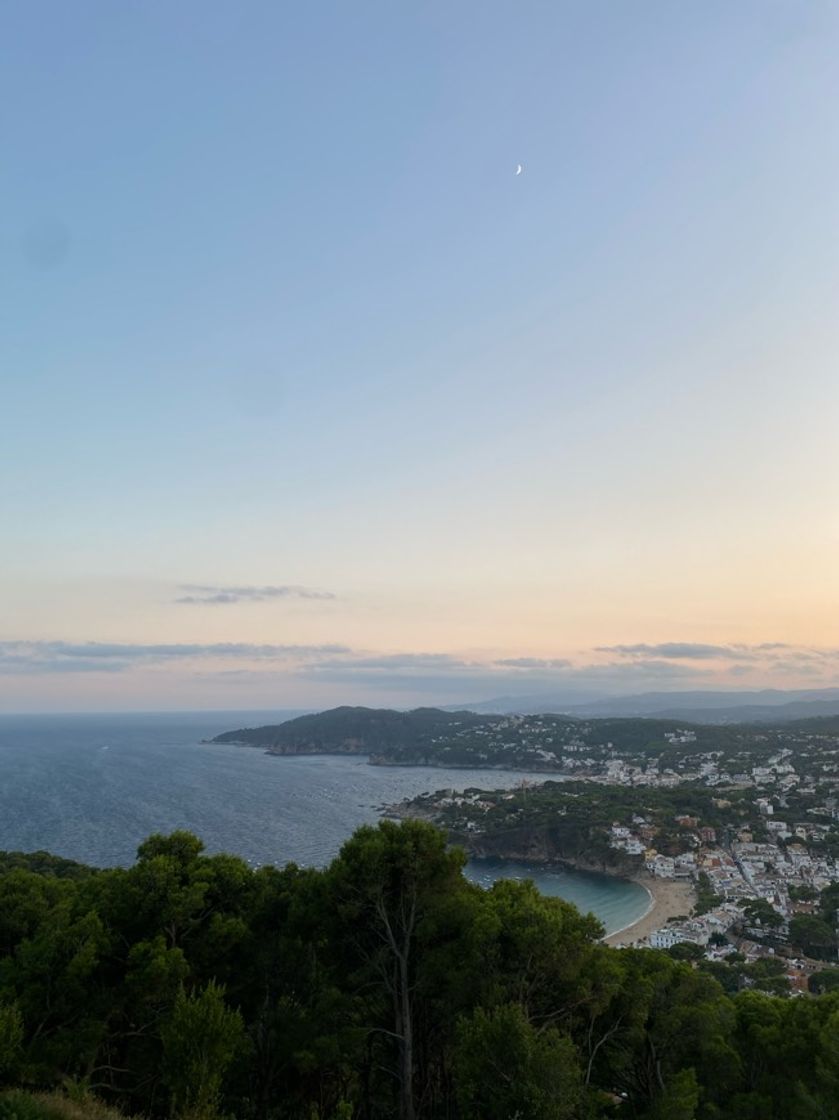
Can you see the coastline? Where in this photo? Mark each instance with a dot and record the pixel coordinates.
(669, 898)
(545, 773)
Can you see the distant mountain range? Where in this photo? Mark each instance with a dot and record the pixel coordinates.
(771, 705)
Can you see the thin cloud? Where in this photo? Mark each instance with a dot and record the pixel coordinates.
(692, 651)
(534, 663)
(444, 672)
(432, 676)
(652, 667)
(742, 658)
(22, 657)
(196, 594)
(398, 662)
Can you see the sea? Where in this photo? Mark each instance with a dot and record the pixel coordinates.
(92, 787)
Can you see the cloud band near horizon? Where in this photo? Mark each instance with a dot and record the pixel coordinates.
(434, 676)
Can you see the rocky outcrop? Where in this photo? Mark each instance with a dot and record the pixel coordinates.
(542, 846)
(346, 746)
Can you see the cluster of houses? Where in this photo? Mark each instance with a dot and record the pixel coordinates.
(734, 875)
(637, 840)
(706, 768)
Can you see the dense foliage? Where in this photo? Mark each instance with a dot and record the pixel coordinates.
(385, 985)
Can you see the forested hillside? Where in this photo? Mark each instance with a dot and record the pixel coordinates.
(348, 730)
(432, 737)
(383, 986)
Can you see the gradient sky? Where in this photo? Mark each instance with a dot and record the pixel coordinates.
(307, 398)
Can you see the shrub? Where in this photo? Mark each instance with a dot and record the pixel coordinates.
(16, 1105)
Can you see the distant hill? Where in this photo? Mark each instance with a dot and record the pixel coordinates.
(348, 730)
(698, 706)
(756, 713)
(535, 704)
(547, 743)
(821, 725)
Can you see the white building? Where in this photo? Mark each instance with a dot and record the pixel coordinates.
(666, 938)
(779, 828)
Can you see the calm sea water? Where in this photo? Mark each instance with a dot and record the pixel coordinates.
(91, 788)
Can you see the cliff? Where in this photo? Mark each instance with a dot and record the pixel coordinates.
(544, 845)
(538, 844)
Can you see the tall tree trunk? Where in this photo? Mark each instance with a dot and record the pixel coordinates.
(400, 948)
(407, 1070)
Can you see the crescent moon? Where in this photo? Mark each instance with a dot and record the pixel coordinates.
(518, 169)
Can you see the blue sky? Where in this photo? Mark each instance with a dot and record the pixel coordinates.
(276, 312)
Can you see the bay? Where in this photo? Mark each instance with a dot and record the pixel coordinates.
(92, 787)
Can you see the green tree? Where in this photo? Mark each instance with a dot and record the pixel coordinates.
(55, 975)
(789, 1052)
(168, 887)
(727, 976)
(504, 1068)
(385, 985)
(389, 882)
(767, 974)
(11, 1040)
(802, 892)
(706, 896)
(667, 1017)
(761, 913)
(678, 1099)
(543, 950)
(200, 1041)
(812, 935)
(829, 903)
(825, 981)
(686, 951)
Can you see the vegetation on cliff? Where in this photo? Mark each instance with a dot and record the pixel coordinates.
(572, 820)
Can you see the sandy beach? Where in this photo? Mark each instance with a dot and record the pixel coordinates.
(668, 899)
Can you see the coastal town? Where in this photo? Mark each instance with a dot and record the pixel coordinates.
(733, 829)
(738, 845)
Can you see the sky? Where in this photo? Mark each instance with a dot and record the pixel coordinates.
(306, 397)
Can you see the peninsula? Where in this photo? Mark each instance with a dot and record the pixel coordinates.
(541, 743)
